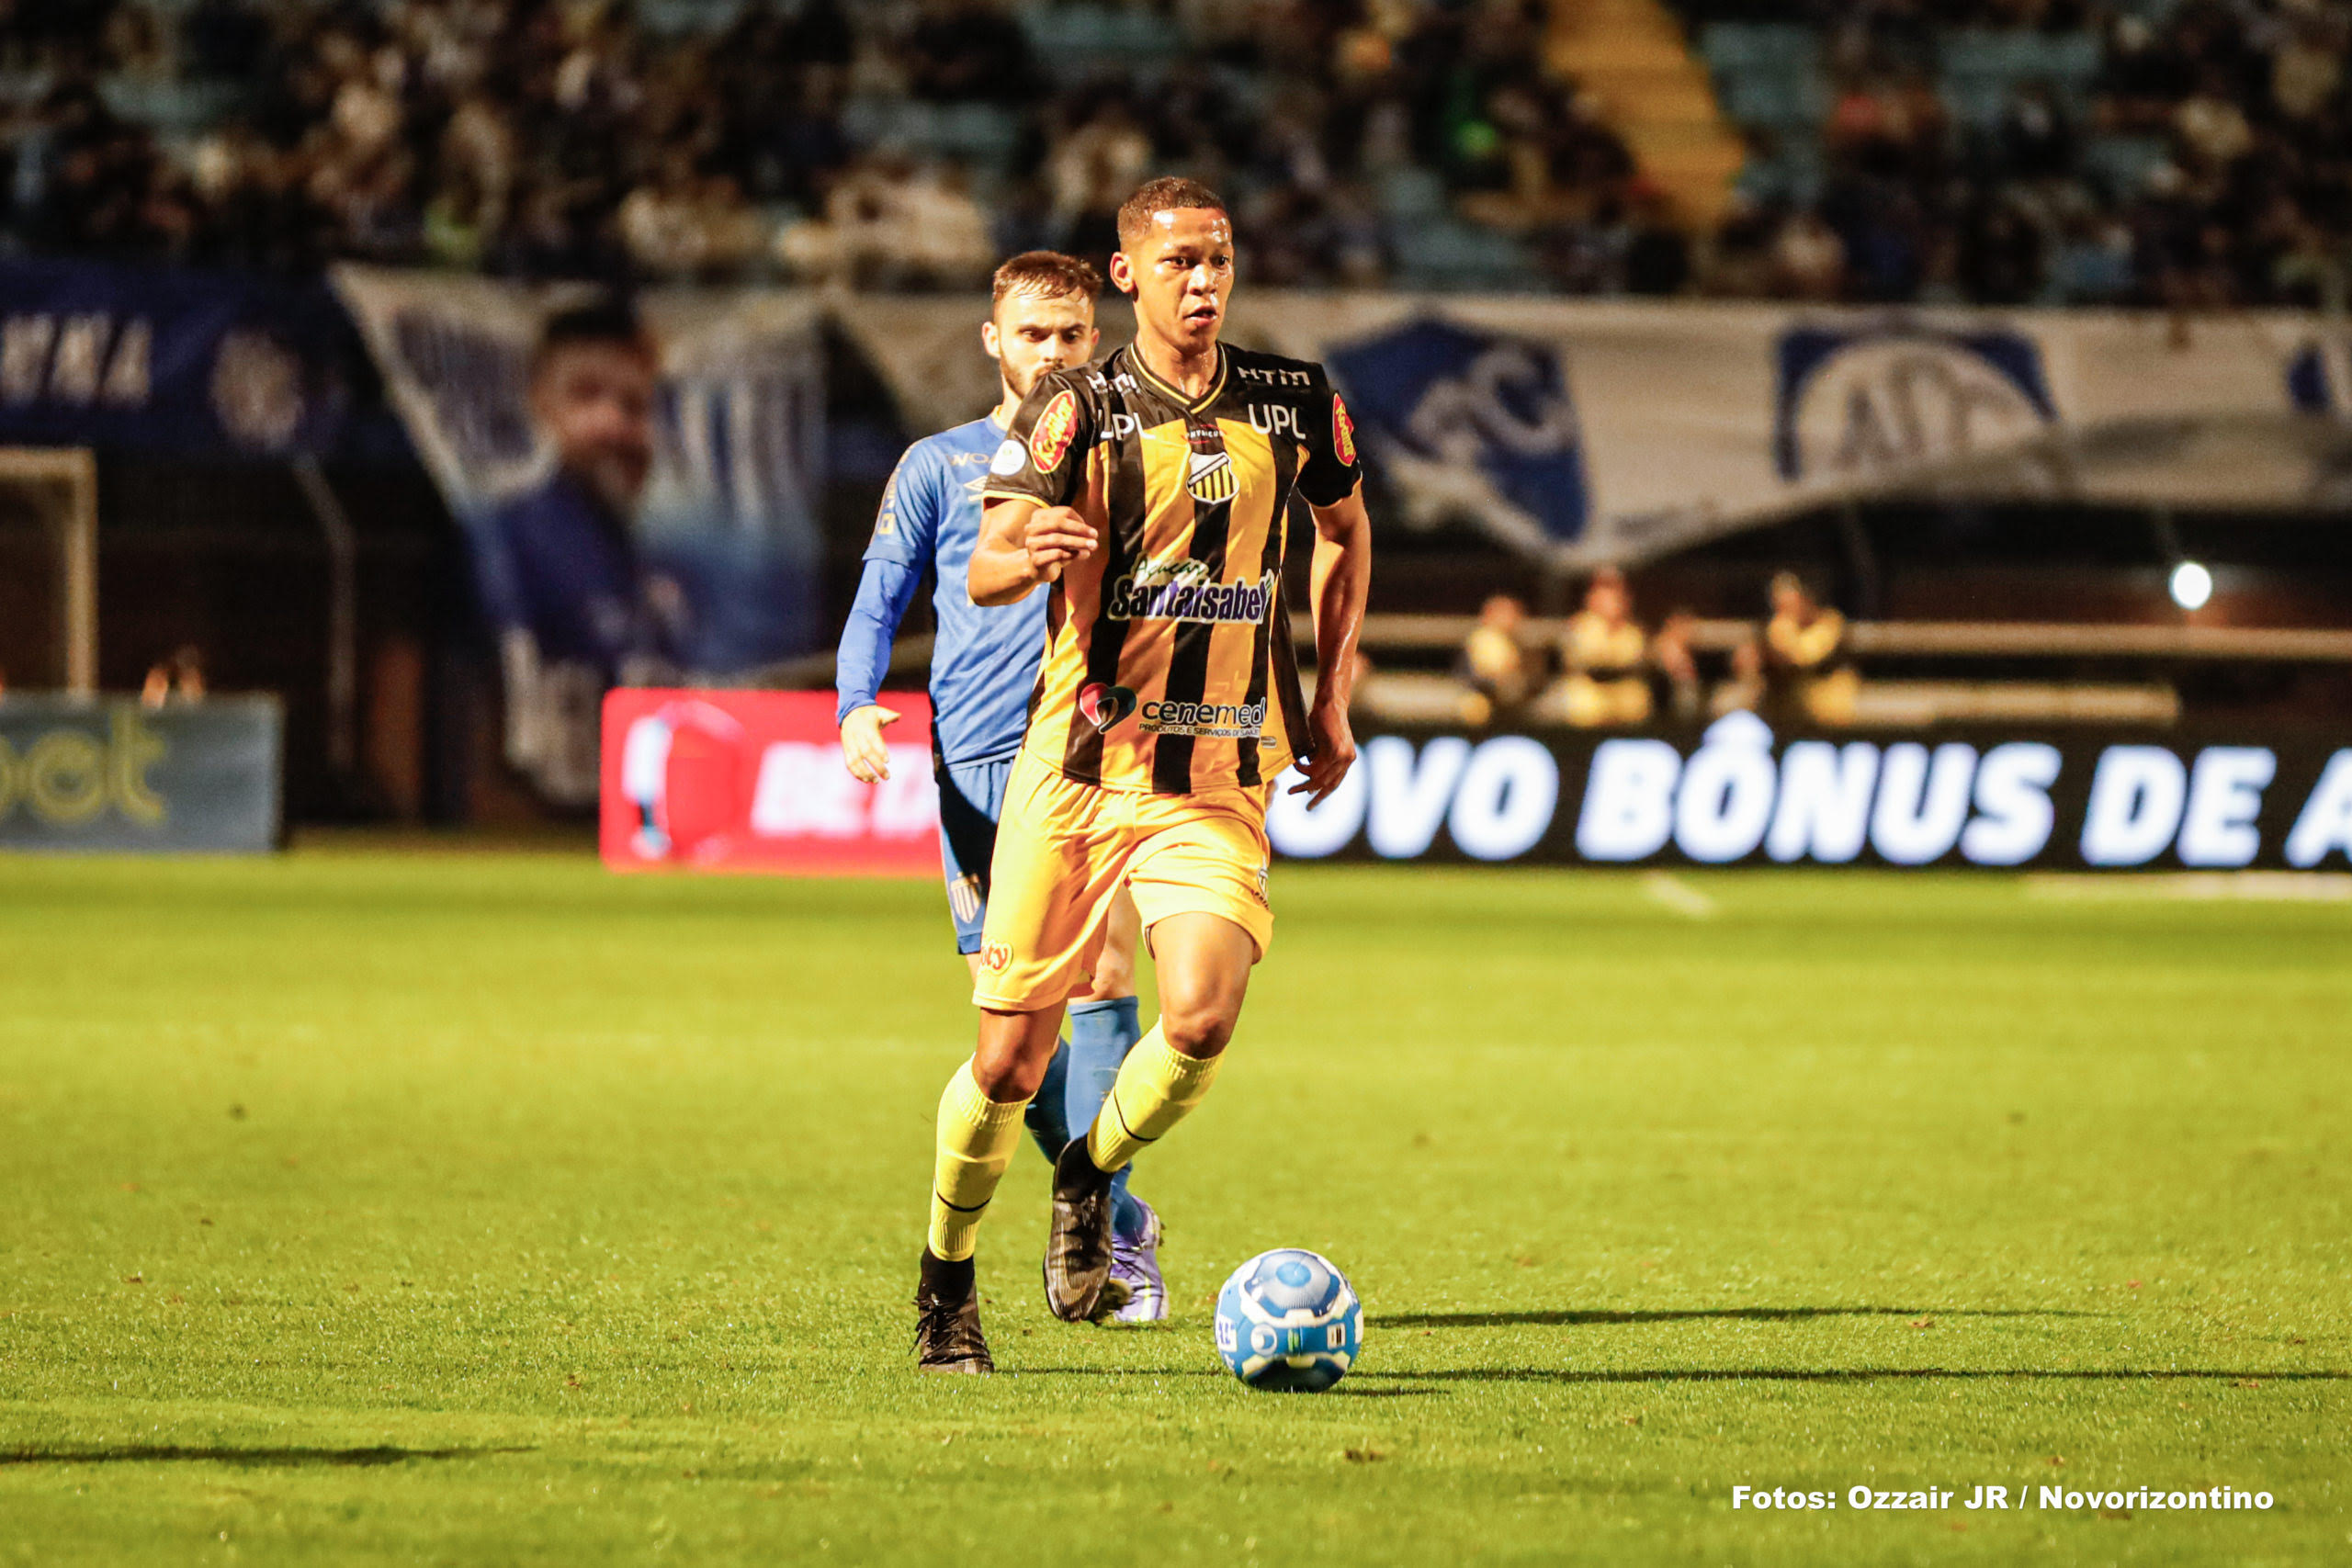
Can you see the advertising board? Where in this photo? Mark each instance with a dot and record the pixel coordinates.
(117, 777)
(1738, 794)
(753, 781)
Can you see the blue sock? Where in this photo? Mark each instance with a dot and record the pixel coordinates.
(1101, 1035)
(1044, 1118)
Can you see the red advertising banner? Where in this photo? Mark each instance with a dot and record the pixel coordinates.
(754, 782)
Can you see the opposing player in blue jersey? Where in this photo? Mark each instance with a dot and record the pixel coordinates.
(983, 667)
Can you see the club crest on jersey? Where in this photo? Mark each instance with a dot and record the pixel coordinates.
(1050, 438)
(1211, 478)
(1343, 432)
(1103, 705)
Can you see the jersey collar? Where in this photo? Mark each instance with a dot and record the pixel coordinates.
(1190, 405)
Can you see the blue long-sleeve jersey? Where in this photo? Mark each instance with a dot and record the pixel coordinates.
(985, 661)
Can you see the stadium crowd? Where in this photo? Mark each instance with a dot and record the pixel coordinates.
(2196, 156)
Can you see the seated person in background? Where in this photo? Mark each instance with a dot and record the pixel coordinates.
(181, 676)
(1496, 664)
(1674, 669)
(1809, 676)
(1607, 657)
(1744, 692)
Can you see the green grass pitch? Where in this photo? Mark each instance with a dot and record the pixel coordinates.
(366, 1207)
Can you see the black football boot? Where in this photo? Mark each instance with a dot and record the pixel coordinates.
(1078, 1286)
(947, 1319)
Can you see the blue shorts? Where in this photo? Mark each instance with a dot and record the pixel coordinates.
(971, 797)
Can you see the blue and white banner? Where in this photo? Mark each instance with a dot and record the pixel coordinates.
(1593, 431)
(1590, 431)
(1739, 794)
(169, 360)
(725, 529)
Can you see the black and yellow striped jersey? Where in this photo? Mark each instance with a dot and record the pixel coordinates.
(1169, 665)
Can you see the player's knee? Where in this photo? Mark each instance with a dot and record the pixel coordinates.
(1198, 1021)
(1011, 1060)
(1009, 1075)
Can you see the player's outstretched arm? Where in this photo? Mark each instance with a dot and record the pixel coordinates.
(1343, 580)
(884, 590)
(1021, 544)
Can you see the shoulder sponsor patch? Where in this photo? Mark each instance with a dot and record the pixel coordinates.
(1343, 432)
(1050, 438)
(1008, 459)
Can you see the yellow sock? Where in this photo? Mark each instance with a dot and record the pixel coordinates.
(1157, 1087)
(977, 1138)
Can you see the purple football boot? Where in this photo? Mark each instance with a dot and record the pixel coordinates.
(1135, 1264)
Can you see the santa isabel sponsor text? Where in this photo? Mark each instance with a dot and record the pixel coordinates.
(1180, 591)
(1932, 1499)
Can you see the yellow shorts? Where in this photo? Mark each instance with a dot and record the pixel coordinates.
(1062, 850)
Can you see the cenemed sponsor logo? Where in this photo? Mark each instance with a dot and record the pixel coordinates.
(1225, 720)
(1179, 590)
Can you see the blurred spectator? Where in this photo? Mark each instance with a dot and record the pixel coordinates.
(1809, 259)
(1676, 664)
(178, 677)
(1497, 668)
(1092, 170)
(1744, 692)
(963, 49)
(1607, 657)
(890, 223)
(1809, 674)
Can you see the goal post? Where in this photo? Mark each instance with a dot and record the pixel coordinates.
(59, 488)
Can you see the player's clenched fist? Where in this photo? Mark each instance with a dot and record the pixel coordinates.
(1056, 536)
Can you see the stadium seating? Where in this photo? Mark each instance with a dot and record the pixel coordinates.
(1691, 94)
(981, 134)
(1087, 38)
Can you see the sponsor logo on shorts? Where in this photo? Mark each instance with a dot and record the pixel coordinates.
(1263, 895)
(1225, 720)
(996, 957)
(964, 897)
(1103, 705)
(1179, 590)
(1050, 438)
(1343, 432)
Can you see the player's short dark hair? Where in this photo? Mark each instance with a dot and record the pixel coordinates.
(1169, 193)
(1048, 273)
(606, 318)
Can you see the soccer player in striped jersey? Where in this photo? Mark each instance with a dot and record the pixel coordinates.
(1151, 493)
(983, 663)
